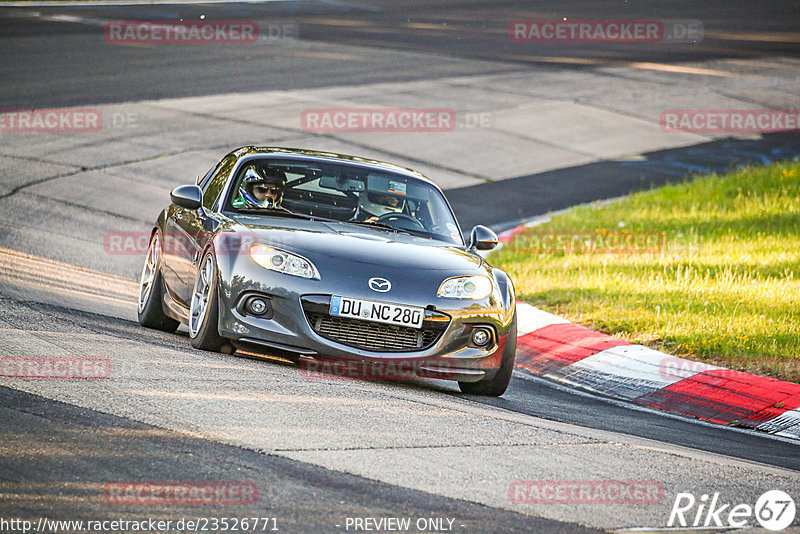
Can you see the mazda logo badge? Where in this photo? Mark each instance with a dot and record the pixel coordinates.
(381, 285)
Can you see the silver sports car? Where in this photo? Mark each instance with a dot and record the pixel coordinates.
(317, 257)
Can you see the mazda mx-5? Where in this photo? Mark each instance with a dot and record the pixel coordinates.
(317, 256)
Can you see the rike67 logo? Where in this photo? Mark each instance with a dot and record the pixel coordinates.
(774, 510)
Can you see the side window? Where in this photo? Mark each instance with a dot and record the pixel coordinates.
(218, 181)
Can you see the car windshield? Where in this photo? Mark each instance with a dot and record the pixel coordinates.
(345, 193)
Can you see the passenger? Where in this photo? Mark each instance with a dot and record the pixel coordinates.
(372, 205)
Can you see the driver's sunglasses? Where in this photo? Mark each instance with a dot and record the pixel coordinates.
(271, 189)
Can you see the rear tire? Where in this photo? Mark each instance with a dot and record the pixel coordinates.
(497, 385)
(151, 286)
(204, 310)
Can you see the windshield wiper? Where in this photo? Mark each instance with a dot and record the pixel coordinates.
(421, 233)
(372, 225)
(281, 211)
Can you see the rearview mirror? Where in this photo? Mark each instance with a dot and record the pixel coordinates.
(482, 238)
(341, 184)
(187, 196)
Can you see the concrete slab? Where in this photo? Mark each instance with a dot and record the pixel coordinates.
(94, 190)
(284, 114)
(16, 172)
(589, 130)
(67, 286)
(220, 104)
(88, 150)
(73, 234)
(775, 96)
(481, 153)
(169, 171)
(549, 83)
(447, 93)
(649, 107)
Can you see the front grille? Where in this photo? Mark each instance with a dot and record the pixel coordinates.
(368, 335)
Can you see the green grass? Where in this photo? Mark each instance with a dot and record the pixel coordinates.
(725, 287)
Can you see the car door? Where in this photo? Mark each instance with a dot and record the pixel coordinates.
(170, 261)
(189, 230)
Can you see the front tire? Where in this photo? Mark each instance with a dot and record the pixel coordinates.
(150, 312)
(497, 385)
(204, 310)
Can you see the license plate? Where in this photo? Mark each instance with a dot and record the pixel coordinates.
(379, 312)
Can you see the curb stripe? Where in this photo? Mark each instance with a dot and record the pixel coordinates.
(624, 371)
(553, 347)
(721, 396)
(530, 319)
(786, 424)
(557, 345)
(769, 415)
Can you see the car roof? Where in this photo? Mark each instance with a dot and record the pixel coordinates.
(330, 157)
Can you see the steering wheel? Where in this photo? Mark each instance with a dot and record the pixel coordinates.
(389, 217)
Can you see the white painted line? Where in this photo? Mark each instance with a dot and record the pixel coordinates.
(625, 371)
(787, 424)
(530, 319)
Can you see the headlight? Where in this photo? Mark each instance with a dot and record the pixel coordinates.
(466, 287)
(283, 262)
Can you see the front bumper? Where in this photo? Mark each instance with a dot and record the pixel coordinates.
(445, 351)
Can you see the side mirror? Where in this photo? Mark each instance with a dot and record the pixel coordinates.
(482, 238)
(187, 196)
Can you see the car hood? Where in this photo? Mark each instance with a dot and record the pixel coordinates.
(319, 241)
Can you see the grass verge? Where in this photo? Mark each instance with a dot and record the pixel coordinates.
(721, 284)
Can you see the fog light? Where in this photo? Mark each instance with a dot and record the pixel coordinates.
(481, 336)
(257, 306)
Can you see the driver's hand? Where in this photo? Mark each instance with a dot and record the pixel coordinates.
(371, 220)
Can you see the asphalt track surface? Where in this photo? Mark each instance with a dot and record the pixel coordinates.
(98, 446)
(71, 69)
(74, 65)
(64, 455)
(534, 396)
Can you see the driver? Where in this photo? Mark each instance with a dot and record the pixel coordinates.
(260, 189)
(372, 205)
